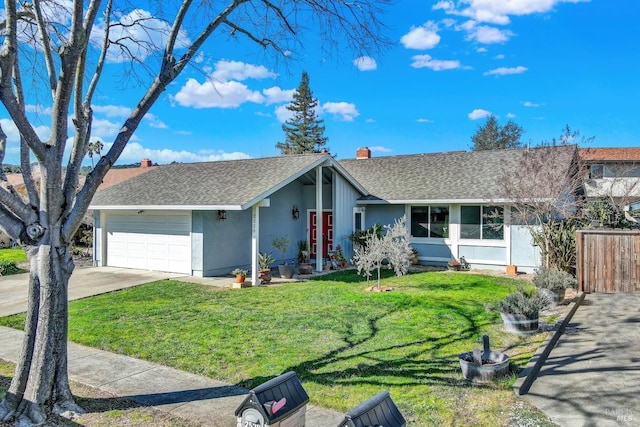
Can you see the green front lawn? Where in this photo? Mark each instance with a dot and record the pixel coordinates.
(13, 254)
(344, 343)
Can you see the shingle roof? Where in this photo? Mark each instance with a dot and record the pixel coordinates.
(610, 154)
(450, 176)
(224, 183)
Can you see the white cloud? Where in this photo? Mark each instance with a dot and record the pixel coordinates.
(531, 104)
(423, 37)
(102, 128)
(112, 110)
(365, 63)
(500, 56)
(346, 110)
(139, 35)
(282, 114)
(370, 121)
(212, 94)
(479, 113)
(511, 116)
(482, 50)
(38, 109)
(236, 70)
(498, 11)
(426, 61)
(502, 71)
(134, 152)
(275, 95)
(488, 35)
(199, 58)
(155, 122)
(13, 136)
(380, 149)
(424, 121)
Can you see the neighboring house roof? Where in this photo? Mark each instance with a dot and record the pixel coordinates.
(592, 155)
(437, 177)
(231, 184)
(117, 175)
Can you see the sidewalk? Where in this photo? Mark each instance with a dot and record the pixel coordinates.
(200, 399)
(591, 377)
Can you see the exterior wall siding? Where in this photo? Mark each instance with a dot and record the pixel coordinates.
(524, 254)
(225, 244)
(345, 197)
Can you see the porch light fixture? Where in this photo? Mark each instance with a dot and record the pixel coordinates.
(295, 213)
(222, 215)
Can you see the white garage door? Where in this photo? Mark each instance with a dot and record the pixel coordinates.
(157, 241)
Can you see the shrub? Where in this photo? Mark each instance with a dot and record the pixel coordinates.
(523, 301)
(8, 268)
(554, 280)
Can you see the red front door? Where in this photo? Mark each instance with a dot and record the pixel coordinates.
(327, 232)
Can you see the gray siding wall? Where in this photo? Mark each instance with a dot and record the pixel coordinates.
(383, 214)
(492, 255)
(345, 197)
(225, 244)
(523, 253)
(277, 221)
(309, 198)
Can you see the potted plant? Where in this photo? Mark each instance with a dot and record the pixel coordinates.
(264, 267)
(454, 264)
(414, 256)
(304, 267)
(240, 274)
(483, 366)
(554, 283)
(281, 244)
(520, 310)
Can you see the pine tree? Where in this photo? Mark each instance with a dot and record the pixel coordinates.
(492, 136)
(304, 131)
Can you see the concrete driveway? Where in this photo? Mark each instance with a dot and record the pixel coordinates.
(592, 375)
(84, 282)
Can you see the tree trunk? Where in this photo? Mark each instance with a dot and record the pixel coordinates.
(40, 383)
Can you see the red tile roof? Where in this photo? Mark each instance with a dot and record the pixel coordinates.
(116, 176)
(610, 154)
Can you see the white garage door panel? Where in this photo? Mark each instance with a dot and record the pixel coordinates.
(151, 241)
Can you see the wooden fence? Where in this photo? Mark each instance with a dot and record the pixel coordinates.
(608, 260)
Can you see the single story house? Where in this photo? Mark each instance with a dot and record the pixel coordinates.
(204, 219)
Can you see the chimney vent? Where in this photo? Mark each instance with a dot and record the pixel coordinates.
(146, 163)
(363, 153)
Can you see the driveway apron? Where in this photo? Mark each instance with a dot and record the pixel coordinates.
(592, 376)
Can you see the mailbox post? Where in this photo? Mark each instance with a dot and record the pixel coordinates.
(280, 402)
(376, 411)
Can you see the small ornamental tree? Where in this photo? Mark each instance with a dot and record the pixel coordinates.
(393, 246)
(304, 131)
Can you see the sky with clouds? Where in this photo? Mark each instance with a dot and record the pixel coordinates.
(541, 63)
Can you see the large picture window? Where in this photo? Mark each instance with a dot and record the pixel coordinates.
(482, 222)
(430, 221)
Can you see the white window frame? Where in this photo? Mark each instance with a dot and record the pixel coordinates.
(428, 238)
(482, 238)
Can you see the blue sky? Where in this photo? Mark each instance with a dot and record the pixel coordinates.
(540, 63)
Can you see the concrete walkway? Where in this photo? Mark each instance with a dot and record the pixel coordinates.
(200, 399)
(592, 376)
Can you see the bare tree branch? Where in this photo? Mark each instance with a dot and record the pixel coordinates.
(46, 46)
